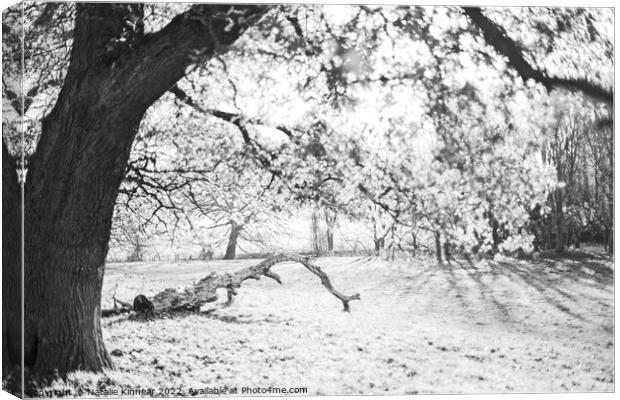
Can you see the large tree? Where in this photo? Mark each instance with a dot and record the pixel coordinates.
(115, 73)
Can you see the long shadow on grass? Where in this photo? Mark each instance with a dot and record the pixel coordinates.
(448, 270)
(531, 276)
(488, 293)
(603, 273)
(485, 292)
(242, 319)
(421, 278)
(535, 275)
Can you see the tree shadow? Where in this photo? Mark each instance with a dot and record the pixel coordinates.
(421, 278)
(580, 262)
(453, 280)
(531, 276)
(488, 294)
(577, 255)
(549, 276)
(241, 319)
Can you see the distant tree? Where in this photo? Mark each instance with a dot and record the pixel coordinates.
(330, 217)
(600, 193)
(316, 233)
(128, 234)
(580, 205)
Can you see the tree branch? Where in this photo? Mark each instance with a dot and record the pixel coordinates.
(264, 156)
(497, 37)
(161, 59)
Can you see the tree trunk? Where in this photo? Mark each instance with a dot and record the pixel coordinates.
(446, 251)
(11, 267)
(69, 204)
(558, 219)
(315, 231)
(231, 247)
(330, 222)
(559, 231)
(330, 240)
(494, 235)
(379, 245)
(438, 247)
(414, 244)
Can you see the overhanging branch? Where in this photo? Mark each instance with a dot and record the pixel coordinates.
(161, 59)
(264, 156)
(497, 37)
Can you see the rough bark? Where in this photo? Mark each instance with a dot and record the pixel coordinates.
(11, 263)
(205, 290)
(233, 236)
(497, 37)
(80, 162)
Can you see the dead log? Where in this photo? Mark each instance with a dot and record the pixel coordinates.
(204, 291)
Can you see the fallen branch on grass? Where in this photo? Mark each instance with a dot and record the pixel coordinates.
(205, 290)
(116, 310)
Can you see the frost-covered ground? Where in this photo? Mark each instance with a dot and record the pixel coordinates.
(499, 326)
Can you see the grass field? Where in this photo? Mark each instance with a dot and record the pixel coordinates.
(499, 326)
